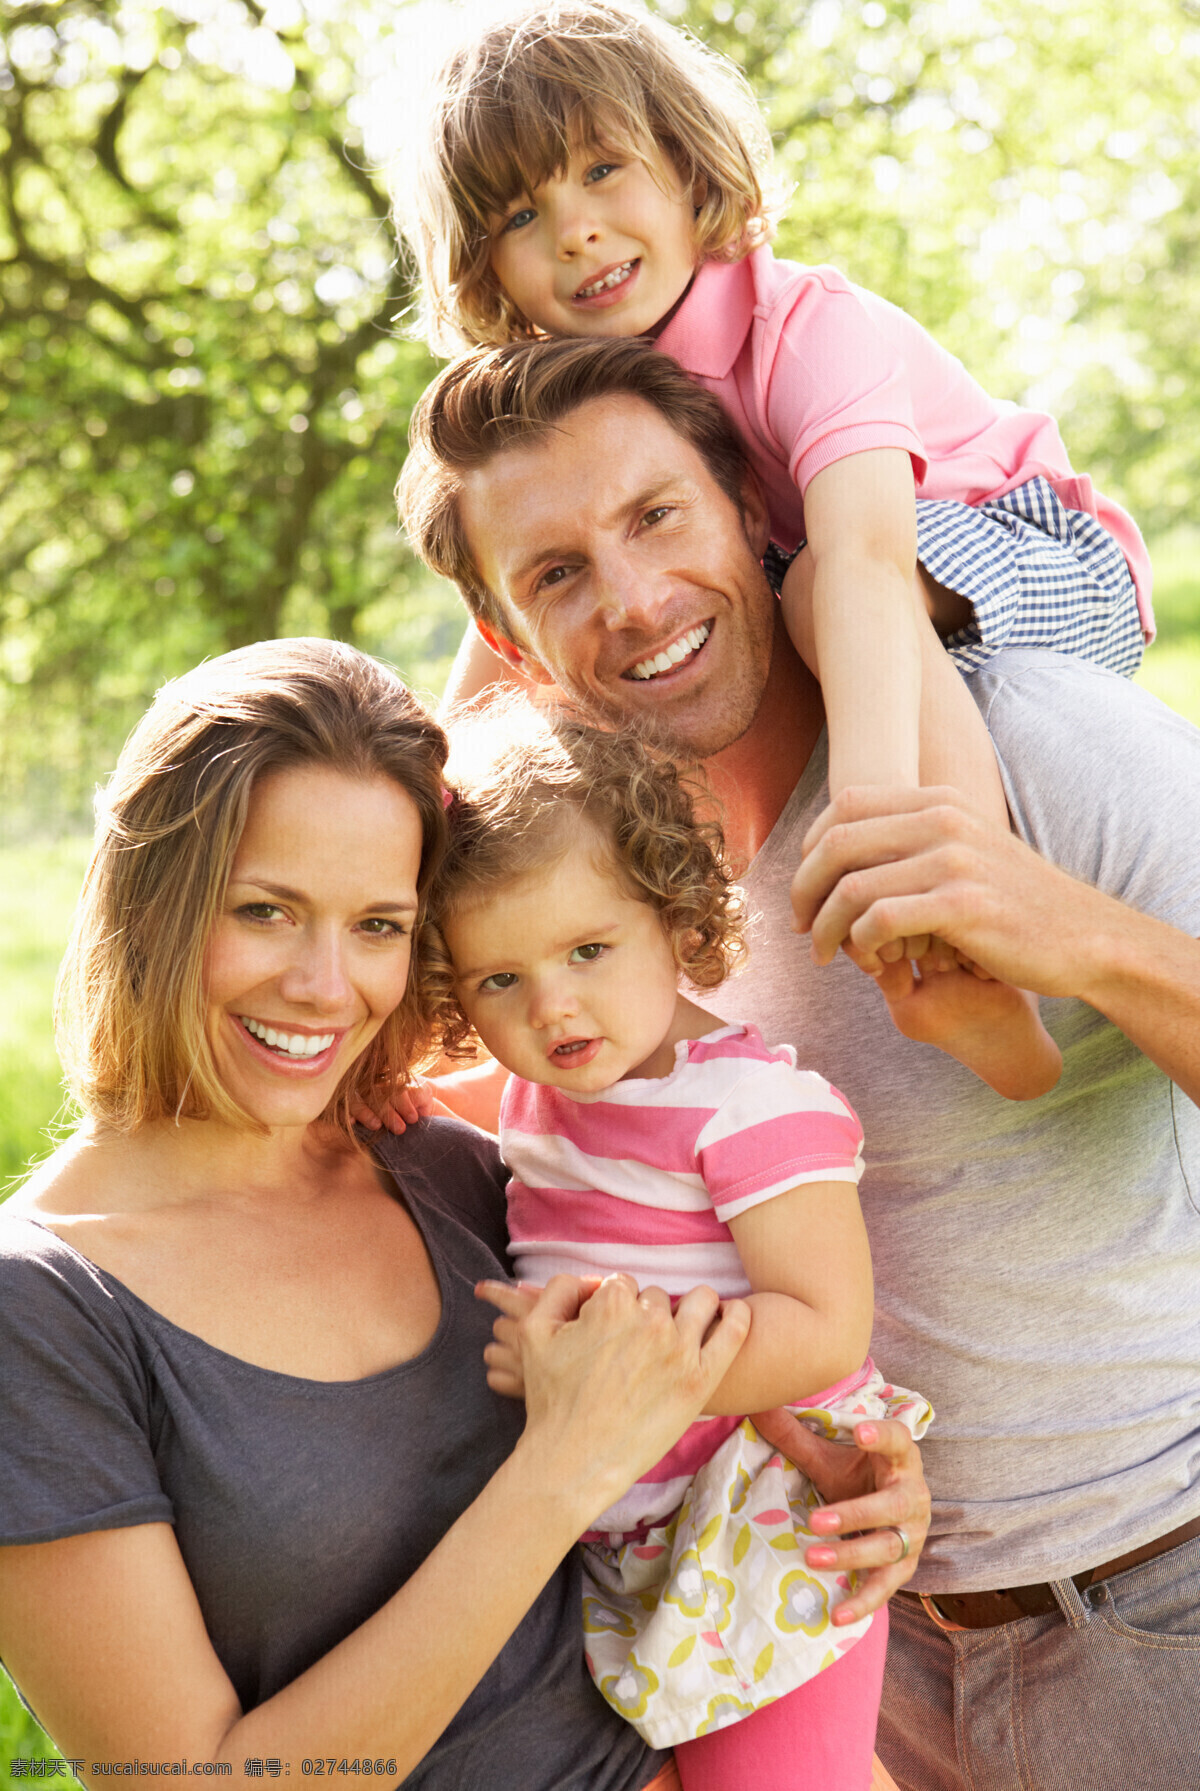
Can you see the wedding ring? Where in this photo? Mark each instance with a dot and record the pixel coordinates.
(905, 1544)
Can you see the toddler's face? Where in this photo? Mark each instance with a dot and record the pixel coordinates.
(603, 249)
(566, 978)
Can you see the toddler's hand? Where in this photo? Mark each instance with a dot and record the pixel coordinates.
(505, 1373)
(397, 1106)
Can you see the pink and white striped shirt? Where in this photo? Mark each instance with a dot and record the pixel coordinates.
(644, 1176)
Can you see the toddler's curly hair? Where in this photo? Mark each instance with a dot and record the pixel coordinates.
(530, 787)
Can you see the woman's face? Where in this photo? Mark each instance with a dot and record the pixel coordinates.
(311, 951)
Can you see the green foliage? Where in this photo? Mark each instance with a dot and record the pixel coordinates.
(207, 393)
(208, 399)
(21, 1739)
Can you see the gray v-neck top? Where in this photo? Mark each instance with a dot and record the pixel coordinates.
(301, 1506)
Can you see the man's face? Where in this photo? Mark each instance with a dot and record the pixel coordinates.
(628, 577)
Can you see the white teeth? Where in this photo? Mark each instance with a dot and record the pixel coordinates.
(675, 654)
(296, 1044)
(613, 279)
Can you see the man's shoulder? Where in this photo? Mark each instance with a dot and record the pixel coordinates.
(1033, 699)
(1100, 777)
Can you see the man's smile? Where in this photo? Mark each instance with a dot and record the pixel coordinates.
(678, 652)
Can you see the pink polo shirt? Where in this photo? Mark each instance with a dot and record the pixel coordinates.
(812, 369)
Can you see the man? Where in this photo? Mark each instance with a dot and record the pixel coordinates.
(1036, 1265)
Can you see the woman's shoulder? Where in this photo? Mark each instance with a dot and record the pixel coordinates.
(452, 1168)
(48, 1287)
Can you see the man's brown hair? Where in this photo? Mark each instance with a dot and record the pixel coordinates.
(504, 397)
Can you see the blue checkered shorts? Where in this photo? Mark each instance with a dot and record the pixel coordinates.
(1036, 575)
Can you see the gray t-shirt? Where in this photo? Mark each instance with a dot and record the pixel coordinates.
(1037, 1264)
(301, 1506)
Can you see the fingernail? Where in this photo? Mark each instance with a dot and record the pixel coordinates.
(827, 1520)
(821, 1557)
(843, 1616)
(867, 1435)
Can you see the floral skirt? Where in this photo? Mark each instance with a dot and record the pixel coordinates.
(714, 1613)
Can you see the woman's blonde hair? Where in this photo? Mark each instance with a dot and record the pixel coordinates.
(130, 1006)
(511, 106)
(530, 788)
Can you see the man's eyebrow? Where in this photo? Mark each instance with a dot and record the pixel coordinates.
(640, 500)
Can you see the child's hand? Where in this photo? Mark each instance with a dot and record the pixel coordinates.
(503, 1357)
(397, 1106)
(986, 1025)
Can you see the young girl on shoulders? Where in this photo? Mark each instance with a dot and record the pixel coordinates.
(589, 170)
(647, 1137)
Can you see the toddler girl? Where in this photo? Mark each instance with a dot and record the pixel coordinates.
(645, 1136)
(592, 171)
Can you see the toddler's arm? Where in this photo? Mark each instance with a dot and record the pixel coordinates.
(899, 714)
(806, 1257)
(850, 606)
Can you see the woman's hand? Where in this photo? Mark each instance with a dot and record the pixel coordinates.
(613, 1378)
(874, 1488)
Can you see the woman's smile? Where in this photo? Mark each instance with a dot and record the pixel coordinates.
(311, 952)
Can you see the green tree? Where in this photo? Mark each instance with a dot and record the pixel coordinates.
(207, 396)
(207, 393)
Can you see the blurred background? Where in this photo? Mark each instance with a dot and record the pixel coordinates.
(206, 381)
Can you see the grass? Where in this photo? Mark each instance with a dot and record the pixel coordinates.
(38, 888)
(39, 883)
(1171, 669)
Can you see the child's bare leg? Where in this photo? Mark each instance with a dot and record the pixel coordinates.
(997, 1033)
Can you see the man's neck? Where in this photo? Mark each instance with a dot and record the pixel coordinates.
(753, 779)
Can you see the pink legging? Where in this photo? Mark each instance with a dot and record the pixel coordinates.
(821, 1737)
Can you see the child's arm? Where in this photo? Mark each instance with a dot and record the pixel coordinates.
(806, 1257)
(899, 713)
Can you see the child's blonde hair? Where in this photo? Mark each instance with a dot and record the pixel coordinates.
(529, 788)
(513, 104)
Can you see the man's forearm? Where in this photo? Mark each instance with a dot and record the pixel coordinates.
(1144, 976)
(885, 864)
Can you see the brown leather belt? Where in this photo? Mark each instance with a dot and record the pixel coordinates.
(984, 1610)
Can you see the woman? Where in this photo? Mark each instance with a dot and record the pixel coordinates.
(259, 1502)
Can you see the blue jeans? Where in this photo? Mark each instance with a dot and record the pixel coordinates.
(1104, 1697)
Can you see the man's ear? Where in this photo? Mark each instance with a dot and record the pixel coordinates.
(513, 656)
(755, 519)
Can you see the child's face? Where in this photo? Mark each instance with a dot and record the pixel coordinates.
(566, 978)
(604, 249)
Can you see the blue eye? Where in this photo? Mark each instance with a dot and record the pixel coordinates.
(599, 171)
(519, 220)
(587, 954)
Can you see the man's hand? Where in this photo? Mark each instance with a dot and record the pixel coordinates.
(871, 1488)
(883, 864)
